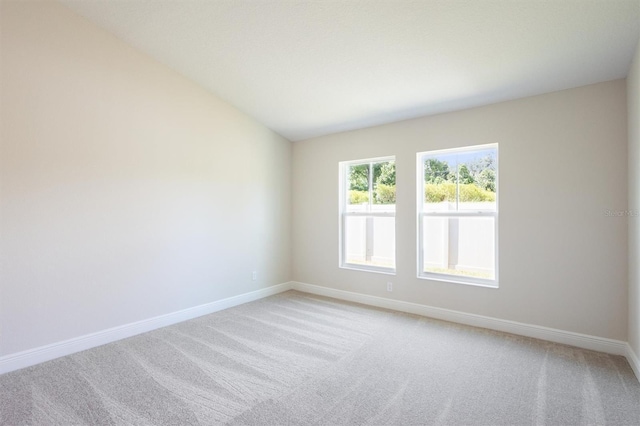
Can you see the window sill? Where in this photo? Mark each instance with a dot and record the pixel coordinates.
(459, 280)
(361, 268)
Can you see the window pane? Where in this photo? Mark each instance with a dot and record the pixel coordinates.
(358, 187)
(370, 241)
(477, 180)
(460, 181)
(384, 185)
(459, 246)
(440, 182)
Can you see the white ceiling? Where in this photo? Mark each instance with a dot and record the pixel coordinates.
(307, 68)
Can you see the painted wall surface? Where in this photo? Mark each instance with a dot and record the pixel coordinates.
(633, 107)
(562, 266)
(127, 191)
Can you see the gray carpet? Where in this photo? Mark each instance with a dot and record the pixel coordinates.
(295, 358)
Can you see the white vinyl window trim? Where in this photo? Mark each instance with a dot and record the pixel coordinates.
(423, 213)
(370, 214)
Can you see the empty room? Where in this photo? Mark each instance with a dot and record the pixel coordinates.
(297, 212)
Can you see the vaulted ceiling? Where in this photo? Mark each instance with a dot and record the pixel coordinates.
(306, 68)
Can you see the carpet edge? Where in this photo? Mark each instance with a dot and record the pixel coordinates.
(30, 357)
(634, 361)
(584, 341)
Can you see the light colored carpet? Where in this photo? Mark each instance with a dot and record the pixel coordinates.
(295, 358)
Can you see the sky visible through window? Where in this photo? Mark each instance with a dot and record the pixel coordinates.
(454, 159)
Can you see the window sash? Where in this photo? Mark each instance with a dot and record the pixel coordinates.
(460, 279)
(369, 249)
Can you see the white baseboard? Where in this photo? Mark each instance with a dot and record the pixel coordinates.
(41, 354)
(584, 341)
(35, 356)
(634, 361)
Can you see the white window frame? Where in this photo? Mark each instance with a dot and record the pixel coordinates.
(344, 213)
(458, 279)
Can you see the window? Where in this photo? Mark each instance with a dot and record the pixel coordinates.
(368, 214)
(458, 215)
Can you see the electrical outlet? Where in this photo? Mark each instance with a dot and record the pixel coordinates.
(254, 275)
(389, 286)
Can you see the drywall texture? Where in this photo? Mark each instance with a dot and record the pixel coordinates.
(127, 191)
(633, 107)
(563, 167)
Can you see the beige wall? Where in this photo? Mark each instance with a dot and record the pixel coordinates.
(633, 106)
(127, 191)
(563, 266)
